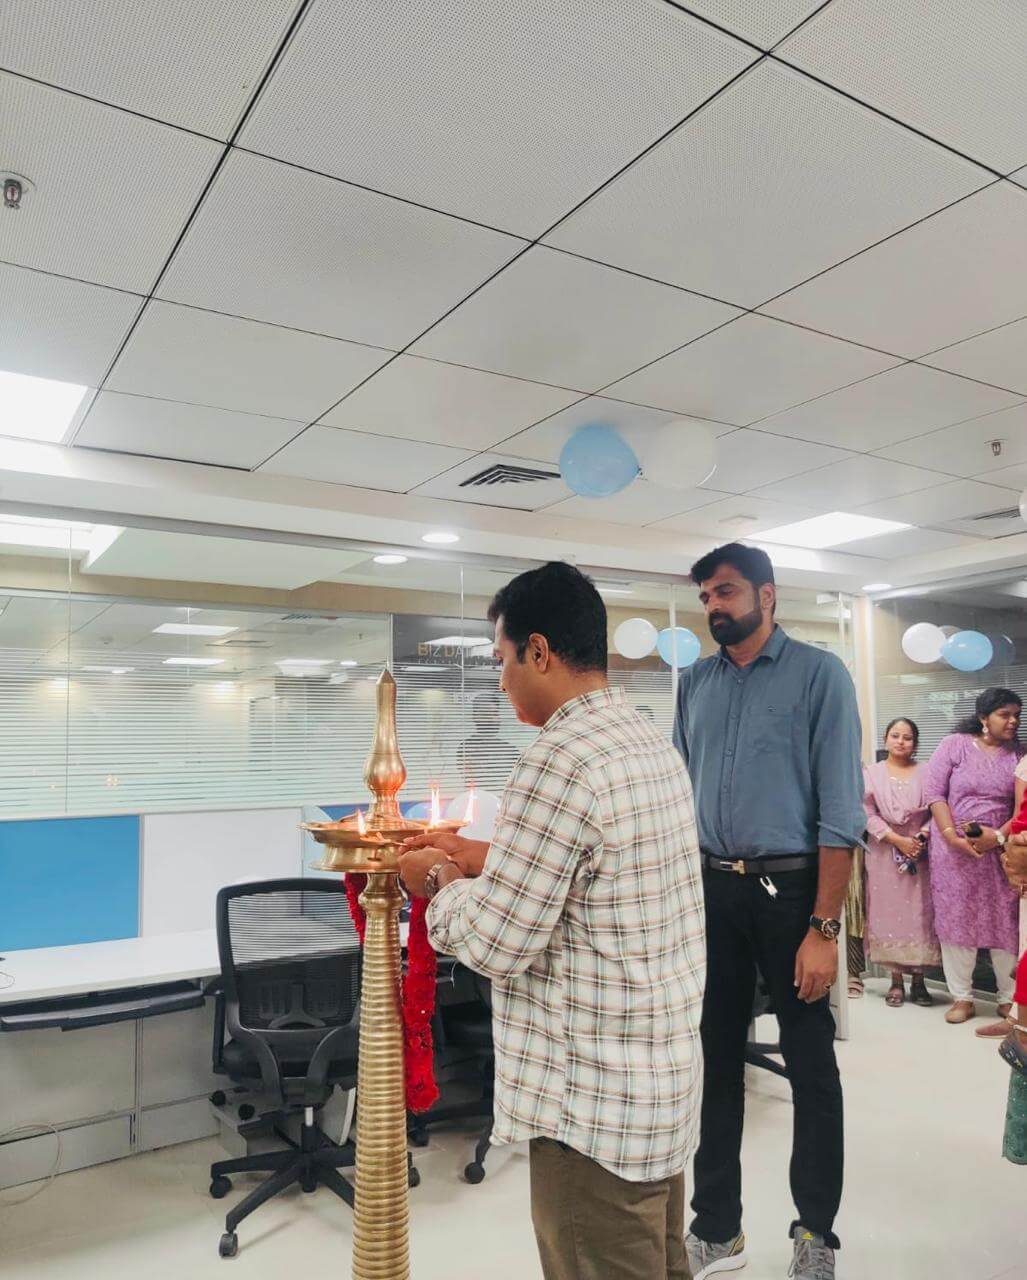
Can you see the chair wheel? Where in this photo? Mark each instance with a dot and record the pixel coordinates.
(228, 1246)
(247, 1111)
(220, 1186)
(309, 1184)
(413, 1177)
(474, 1173)
(218, 1098)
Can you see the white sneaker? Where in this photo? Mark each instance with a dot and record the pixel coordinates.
(705, 1259)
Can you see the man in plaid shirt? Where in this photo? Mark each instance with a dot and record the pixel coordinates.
(586, 912)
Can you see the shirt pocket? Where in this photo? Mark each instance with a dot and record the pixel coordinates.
(772, 725)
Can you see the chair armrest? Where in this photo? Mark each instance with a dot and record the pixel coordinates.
(217, 1060)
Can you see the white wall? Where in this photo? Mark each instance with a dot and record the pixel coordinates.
(188, 857)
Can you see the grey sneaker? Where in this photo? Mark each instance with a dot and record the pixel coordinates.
(813, 1259)
(705, 1259)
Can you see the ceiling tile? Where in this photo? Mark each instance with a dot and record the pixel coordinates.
(954, 75)
(956, 274)
(192, 433)
(790, 177)
(1011, 477)
(907, 542)
(751, 459)
(998, 356)
(942, 504)
(964, 449)
(508, 114)
(417, 399)
(363, 460)
(532, 496)
(748, 369)
(112, 191)
(278, 244)
(63, 329)
(764, 22)
(738, 516)
(1020, 177)
(892, 406)
(558, 319)
(845, 485)
(189, 62)
(182, 353)
(641, 503)
(545, 439)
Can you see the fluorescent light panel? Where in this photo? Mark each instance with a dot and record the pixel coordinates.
(831, 530)
(193, 662)
(192, 629)
(37, 408)
(461, 642)
(441, 538)
(114, 671)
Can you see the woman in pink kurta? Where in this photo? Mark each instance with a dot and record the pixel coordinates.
(900, 915)
(970, 779)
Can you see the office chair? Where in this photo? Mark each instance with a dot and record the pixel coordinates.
(290, 985)
(462, 1032)
(757, 1053)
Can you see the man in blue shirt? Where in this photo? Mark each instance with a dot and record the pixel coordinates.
(770, 732)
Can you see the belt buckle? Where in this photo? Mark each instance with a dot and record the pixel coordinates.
(738, 867)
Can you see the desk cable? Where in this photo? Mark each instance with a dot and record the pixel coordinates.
(24, 1131)
(6, 980)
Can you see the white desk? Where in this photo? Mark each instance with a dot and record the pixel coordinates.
(47, 973)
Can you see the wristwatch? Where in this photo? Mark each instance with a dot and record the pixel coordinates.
(829, 928)
(431, 881)
(1000, 838)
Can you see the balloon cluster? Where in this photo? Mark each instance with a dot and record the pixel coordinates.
(637, 638)
(923, 642)
(597, 461)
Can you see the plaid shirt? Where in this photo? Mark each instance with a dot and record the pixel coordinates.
(588, 918)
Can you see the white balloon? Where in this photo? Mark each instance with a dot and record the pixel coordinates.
(485, 810)
(678, 455)
(635, 638)
(923, 641)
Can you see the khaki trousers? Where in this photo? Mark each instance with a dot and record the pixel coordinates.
(592, 1225)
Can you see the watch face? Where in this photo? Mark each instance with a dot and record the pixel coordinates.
(831, 929)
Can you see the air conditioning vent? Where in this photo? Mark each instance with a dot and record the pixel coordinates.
(507, 473)
(1007, 513)
(309, 617)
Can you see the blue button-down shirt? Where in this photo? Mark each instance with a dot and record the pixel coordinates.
(773, 750)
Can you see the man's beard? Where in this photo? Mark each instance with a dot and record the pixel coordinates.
(731, 631)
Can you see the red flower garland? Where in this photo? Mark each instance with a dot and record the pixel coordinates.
(418, 997)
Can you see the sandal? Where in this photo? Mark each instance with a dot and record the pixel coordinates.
(919, 994)
(855, 988)
(895, 998)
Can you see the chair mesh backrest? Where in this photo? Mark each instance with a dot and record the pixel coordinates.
(290, 953)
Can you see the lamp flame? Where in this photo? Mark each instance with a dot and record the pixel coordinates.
(469, 811)
(436, 808)
(361, 824)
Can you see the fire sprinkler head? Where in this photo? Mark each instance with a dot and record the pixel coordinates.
(996, 447)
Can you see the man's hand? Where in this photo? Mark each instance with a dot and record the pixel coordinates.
(415, 865)
(816, 967)
(469, 855)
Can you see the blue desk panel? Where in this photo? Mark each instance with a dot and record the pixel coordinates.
(68, 880)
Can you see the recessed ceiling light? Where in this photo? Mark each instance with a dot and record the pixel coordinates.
(192, 629)
(390, 559)
(303, 662)
(877, 586)
(114, 671)
(37, 408)
(831, 530)
(440, 538)
(349, 662)
(31, 531)
(604, 590)
(790, 557)
(193, 662)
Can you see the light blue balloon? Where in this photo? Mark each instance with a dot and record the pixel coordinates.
(422, 810)
(686, 642)
(967, 651)
(596, 463)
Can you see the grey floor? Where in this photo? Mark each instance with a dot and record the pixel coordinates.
(927, 1195)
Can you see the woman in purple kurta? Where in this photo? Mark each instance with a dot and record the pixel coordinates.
(970, 779)
(900, 915)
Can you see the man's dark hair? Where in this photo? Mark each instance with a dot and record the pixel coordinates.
(752, 563)
(560, 603)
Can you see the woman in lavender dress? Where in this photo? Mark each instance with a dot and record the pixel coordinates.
(900, 916)
(970, 779)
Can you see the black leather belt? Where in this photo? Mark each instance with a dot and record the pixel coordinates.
(762, 866)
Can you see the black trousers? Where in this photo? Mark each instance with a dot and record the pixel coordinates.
(746, 928)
